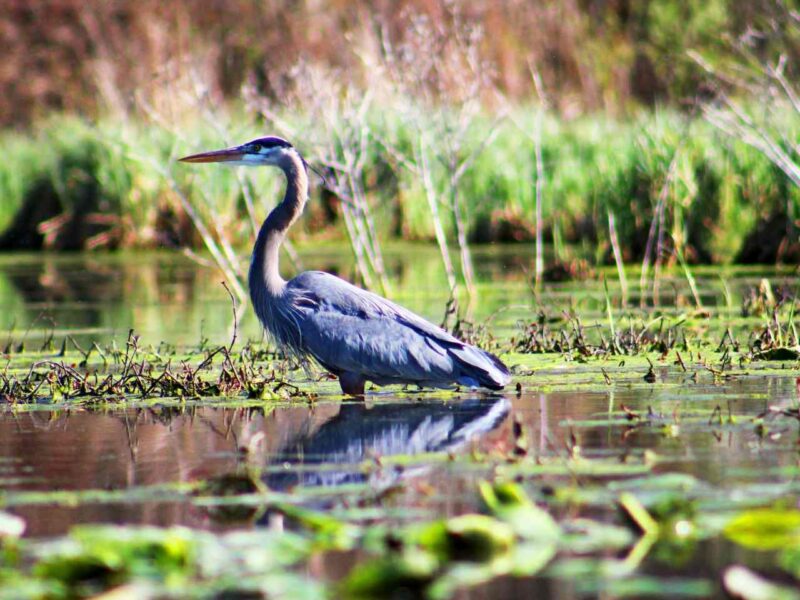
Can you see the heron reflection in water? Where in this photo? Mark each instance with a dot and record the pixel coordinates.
(335, 453)
(357, 335)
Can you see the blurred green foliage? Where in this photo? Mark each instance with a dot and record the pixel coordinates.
(716, 193)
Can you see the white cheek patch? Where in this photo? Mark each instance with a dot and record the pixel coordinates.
(253, 160)
(270, 157)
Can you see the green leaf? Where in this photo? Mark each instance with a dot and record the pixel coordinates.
(102, 557)
(531, 557)
(765, 529)
(466, 575)
(508, 501)
(330, 532)
(475, 538)
(411, 573)
(638, 513)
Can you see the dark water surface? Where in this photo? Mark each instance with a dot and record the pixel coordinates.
(325, 446)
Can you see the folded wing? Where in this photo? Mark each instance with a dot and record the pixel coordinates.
(349, 329)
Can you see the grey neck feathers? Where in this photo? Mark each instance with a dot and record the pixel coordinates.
(264, 268)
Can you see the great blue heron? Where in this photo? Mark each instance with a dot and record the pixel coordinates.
(357, 335)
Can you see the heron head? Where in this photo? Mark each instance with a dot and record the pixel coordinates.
(269, 150)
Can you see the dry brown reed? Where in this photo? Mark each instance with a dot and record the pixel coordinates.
(90, 57)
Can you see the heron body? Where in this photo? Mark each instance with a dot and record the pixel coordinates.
(355, 334)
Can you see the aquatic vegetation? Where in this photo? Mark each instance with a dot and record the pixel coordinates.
(741, 582)
(151, 562)
(514, 537)
(435, 559)
(635, 440)
(145, 374)
(766, 529)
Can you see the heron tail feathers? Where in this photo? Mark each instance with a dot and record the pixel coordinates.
(481, 368)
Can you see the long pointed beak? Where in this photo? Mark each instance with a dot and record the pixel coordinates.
(226, 155)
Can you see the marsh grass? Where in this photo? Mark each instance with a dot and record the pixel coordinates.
(612, 341)
(662, 190)
(721, 191)
(764, 330)
(118, 374)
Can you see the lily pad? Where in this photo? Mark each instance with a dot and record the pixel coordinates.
(765, 529)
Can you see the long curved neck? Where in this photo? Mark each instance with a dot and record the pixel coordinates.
(264, 271)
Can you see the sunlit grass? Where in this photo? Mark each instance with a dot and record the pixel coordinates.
(715, 192)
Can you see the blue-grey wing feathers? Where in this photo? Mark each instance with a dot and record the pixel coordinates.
(347, 329)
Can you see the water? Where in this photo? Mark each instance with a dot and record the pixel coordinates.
(404, 456)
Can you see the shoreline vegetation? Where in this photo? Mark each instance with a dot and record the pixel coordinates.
(671, 147)
(76, 185)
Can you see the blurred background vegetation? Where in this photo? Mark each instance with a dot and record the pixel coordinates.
(593, 55)
(594, 123)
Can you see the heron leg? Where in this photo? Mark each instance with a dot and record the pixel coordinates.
(352, 383)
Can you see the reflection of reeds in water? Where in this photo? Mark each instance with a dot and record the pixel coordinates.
(137, 448)
(166, 298)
